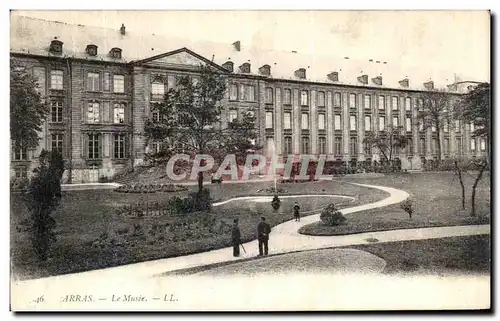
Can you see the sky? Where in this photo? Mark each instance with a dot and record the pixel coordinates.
(457, 41)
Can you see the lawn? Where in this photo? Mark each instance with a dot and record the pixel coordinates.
(92, 235)
(436, 200)
(450, 255)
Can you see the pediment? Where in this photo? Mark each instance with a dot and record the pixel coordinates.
(179, 59)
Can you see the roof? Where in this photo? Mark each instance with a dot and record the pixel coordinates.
(33, 36)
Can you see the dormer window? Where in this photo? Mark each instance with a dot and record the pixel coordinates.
(245, 68)
(91, 50)
(56, 46)
(300, 73)
(116, 53)
(265, 70)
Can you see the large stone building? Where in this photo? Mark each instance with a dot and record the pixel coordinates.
(100, 83)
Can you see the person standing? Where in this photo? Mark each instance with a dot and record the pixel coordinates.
(236, 238)
(296, 212)
(263, 230)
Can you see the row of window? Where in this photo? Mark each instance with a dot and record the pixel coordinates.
(93, 83)
(337, 99)
(94, 143)
(105, 112)
(56, 143)
(353, 145)
(242, 92)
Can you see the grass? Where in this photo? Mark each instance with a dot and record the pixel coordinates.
(91, 235)
(464, 254)
(436, 201)
(444, 256)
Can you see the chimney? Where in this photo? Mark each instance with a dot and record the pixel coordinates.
(228, 65)
(237, 45)
(245, 68)
(122, 30)
(333, 76)
(265, 70)
(405, 83)
(300, 73)
(363, 79)
(429, 85)
(377, 80)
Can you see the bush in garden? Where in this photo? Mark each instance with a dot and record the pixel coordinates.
(331, 216)
(407, 206)
(202, 200)
(19, 183)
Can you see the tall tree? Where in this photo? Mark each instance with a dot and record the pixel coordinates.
(475, 107)
(190, 121)
(387, 142)
(27, 110)
(435, 114)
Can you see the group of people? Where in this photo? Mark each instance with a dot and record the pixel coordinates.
(263, 231)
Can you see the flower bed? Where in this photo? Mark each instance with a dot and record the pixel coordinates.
(151, 188)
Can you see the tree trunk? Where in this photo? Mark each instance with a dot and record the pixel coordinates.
(459, 172)
(478, 178)
(438, 133)
(200, 182)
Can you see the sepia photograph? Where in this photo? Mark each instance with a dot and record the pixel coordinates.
(250, 160)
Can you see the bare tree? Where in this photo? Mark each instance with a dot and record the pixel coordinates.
(387, 142)
(481, 164)
(435, 113)
(460, 166)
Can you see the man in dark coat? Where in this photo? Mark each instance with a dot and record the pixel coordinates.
(263, 230)
(236, 238)
(296, 213)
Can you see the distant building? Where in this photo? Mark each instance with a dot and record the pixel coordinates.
(100, 83)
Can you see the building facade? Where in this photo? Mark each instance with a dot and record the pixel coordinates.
(99, 100)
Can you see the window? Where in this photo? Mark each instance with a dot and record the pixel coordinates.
(156, 116)
(446, 127)
(368, 104)
(408, 104)
(116, 53)
(457, 126)
(119, 83)
(410, 146)
(336, 100)
(322, 145)
(305, 121)
(106, 81)
(56, 111)
(434, 146)
(172, 82)
(446, 142)
(20, 153)
(337, 122)
(250, 93)
(93, 81)
(93, 113)
(119, 113)
(270, 143)
(156, 147)
(305, 145)
(482, 141)
(473, 145)
(288, 145)
(338, 145)
(472, 128)
(421, 126)
(94, 150)
(408, 124)
(381, 123)
(368, 123)
(395, 121)
(233, 114)
(321, 98)
(269, 95)
(381, 102)
(353, 145)
(233, 92)
(57, 142)
(352, 122)
(395, 103)
(56, 79)
(458, 143)
(433, 128)
(352, 100)
(422, 146)
(21, 172)
(119, 146)
(287, 120)
(269, 119)
(368, 149)
(321, 121)
(304, 99)
(420, 104)
(157, 90)
(288, 97)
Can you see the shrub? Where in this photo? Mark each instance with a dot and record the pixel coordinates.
(202, 200)
(331, 216)
(407, 206)
(19, 183)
